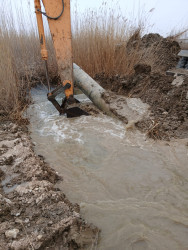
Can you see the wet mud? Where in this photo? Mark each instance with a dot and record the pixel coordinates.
(134, 189)
(34, 214)
(166, 95)
(168, 102)
(128, 110)
(90, 108)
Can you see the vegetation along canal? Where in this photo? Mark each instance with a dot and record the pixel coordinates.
(134, 189)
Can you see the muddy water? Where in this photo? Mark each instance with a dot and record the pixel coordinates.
(134, 190)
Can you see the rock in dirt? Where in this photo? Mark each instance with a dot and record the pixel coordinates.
(178, 81)
(12, 234)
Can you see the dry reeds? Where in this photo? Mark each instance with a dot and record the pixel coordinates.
(99, 42)
(13, 88)
(99, 45)
(21, 65)
(8, 80)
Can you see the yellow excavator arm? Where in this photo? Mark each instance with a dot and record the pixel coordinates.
(58, 14)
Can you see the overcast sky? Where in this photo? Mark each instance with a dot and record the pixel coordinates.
(166, 15)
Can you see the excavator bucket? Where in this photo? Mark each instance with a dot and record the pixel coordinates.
(75, 112)
(69, 106)
(59, 20)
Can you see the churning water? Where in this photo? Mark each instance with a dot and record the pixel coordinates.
(135, 190)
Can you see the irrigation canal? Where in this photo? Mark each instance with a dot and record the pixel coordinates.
(135, 190)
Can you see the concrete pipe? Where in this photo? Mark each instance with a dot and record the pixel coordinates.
(91, 89)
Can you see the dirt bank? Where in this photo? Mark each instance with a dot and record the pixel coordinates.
(159, 52)
(33, 213)
(166, 95)
(168, 102)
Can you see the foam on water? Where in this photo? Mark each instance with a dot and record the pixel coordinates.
(63, 129)
(134, 189)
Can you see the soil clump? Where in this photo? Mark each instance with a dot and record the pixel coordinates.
(90, 108)
(158, 52)
(168, 102)
(34, 214)
(166, 95)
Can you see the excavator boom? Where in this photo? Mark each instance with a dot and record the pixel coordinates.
(58, 14)
(61, 34)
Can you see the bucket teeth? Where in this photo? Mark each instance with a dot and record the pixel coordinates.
(75, 112)
(63, 109)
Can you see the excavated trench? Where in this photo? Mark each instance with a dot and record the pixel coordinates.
(132, 188)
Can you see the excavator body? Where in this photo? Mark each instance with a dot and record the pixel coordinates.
(58, 14)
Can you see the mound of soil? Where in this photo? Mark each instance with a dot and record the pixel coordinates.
(166, 95)
(168, 102)
(160, 53)
(33, 213)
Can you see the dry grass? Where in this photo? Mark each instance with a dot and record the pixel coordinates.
(99, 46)
(13, 89)
(21, 65)
(8, 78)
(13, 68)
(99, 42)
